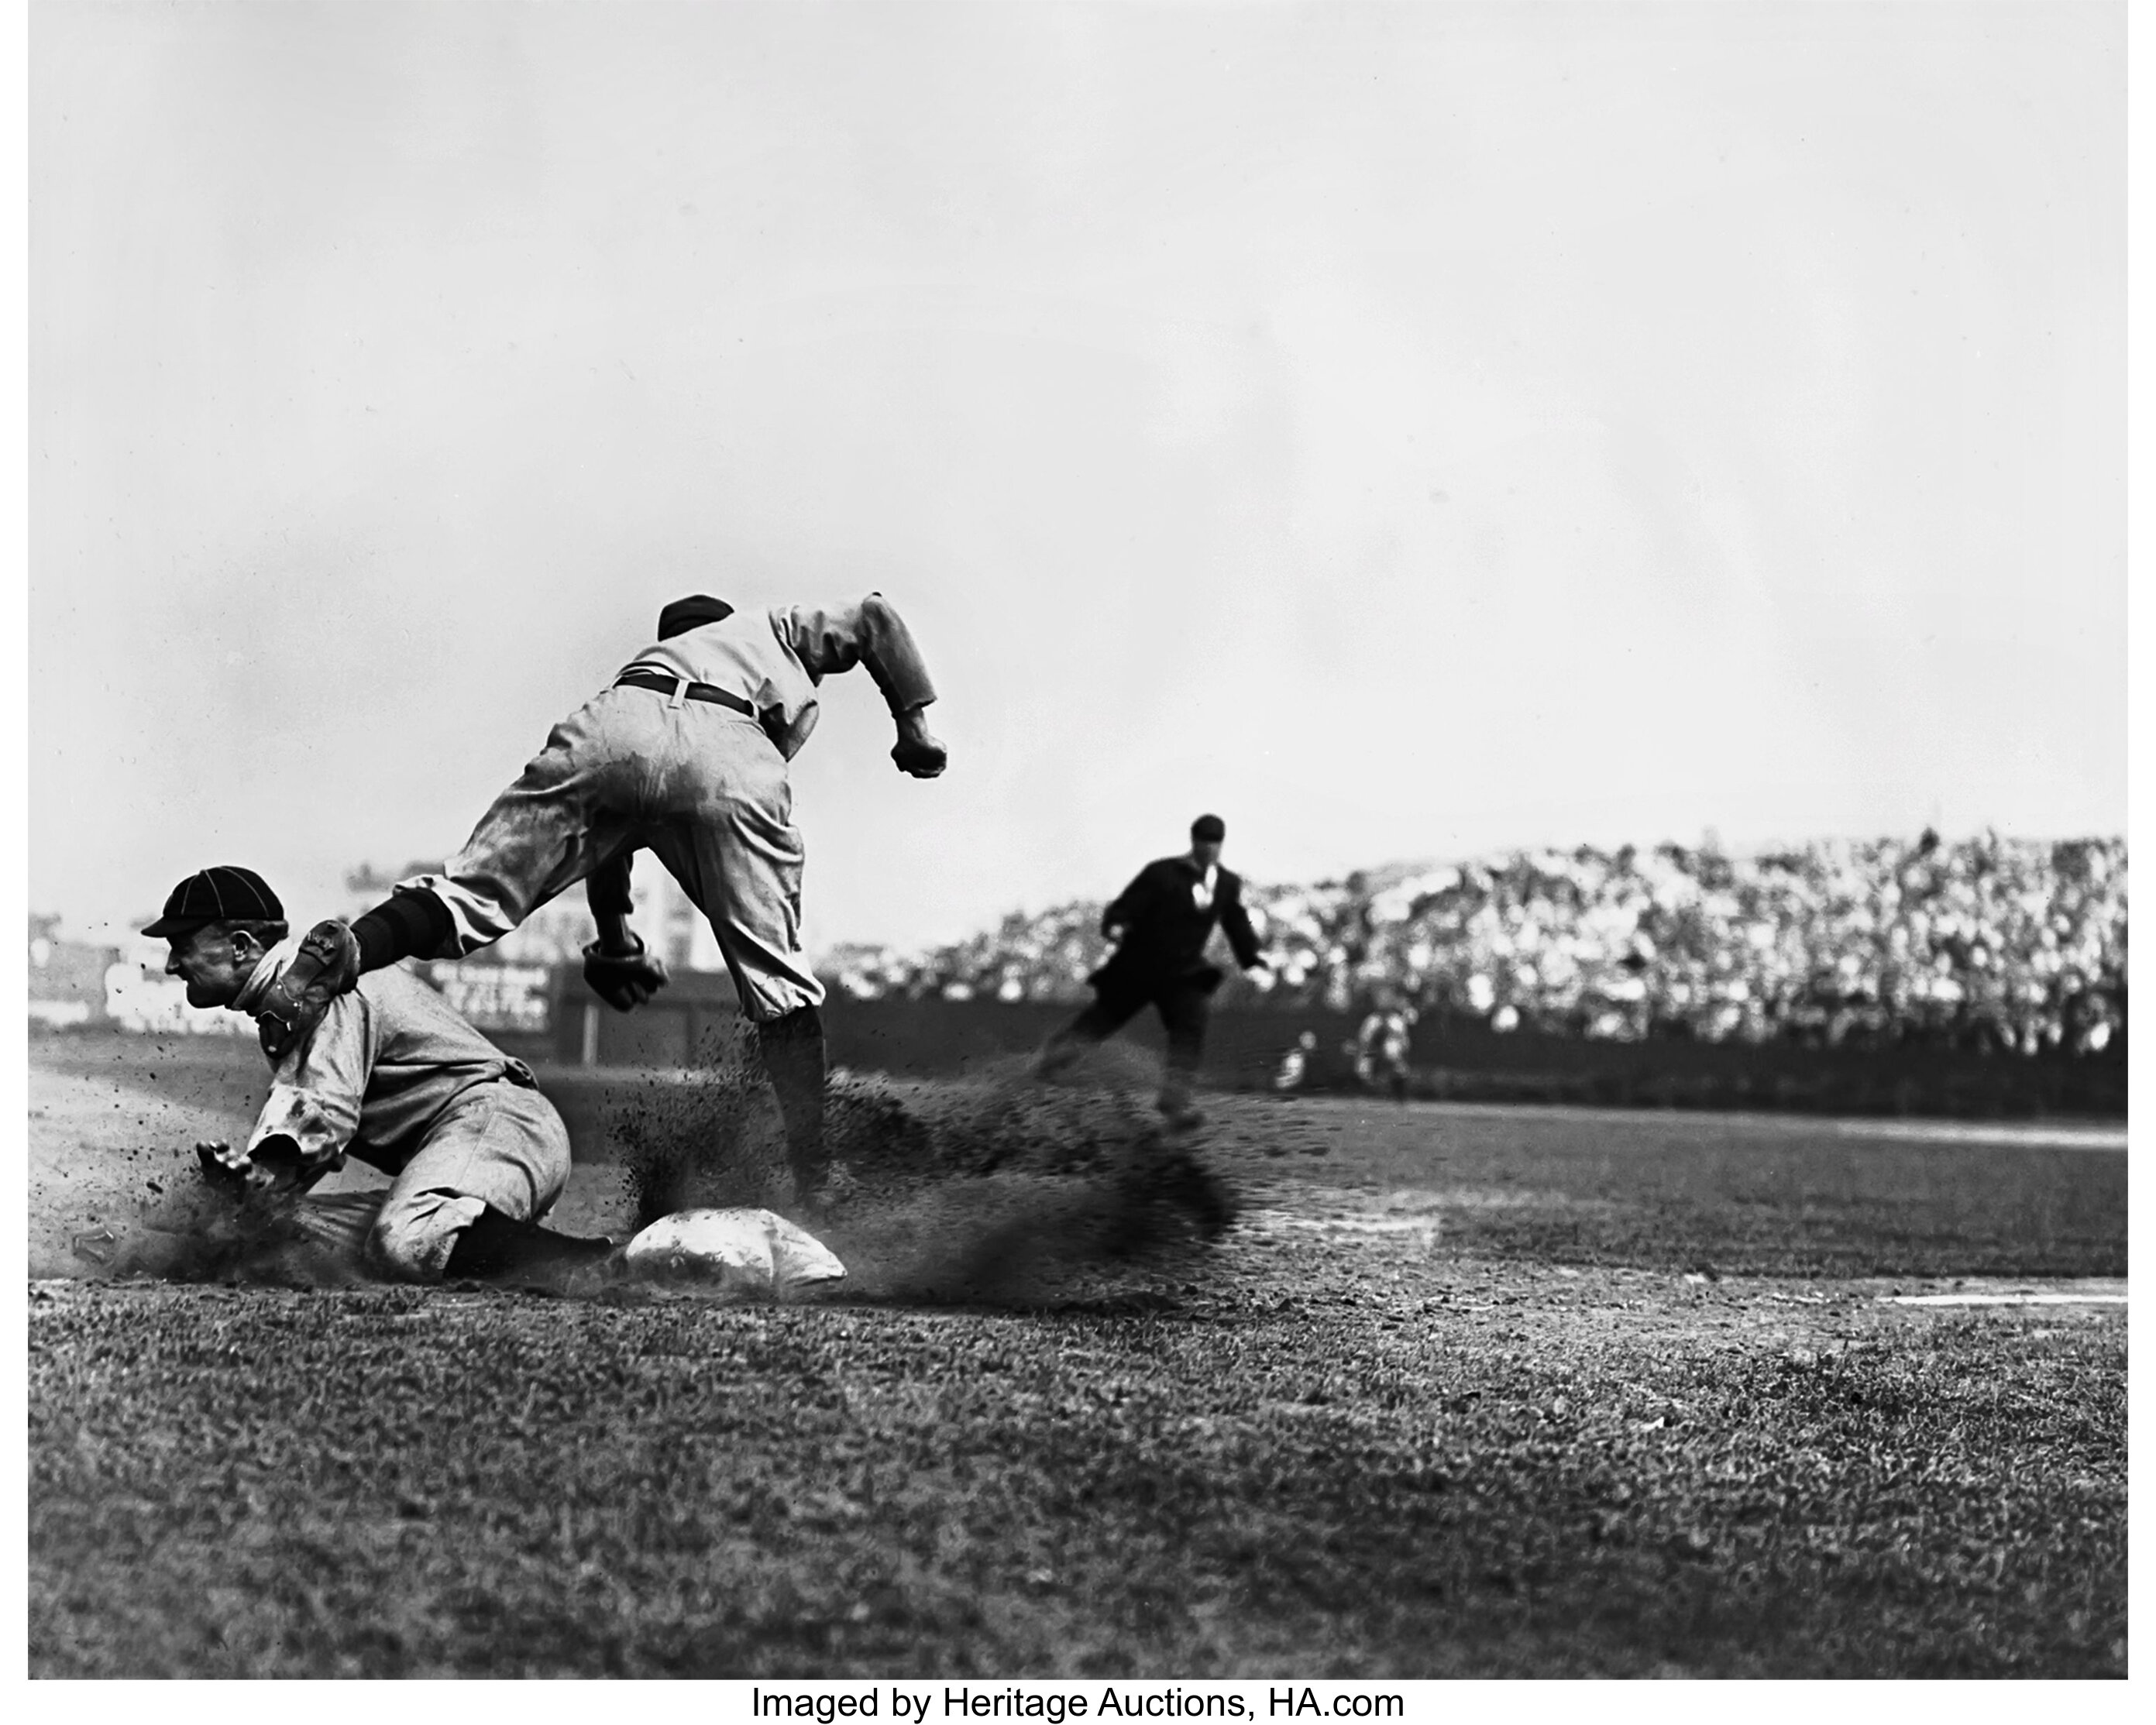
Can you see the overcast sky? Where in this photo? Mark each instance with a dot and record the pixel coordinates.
(1407, 430)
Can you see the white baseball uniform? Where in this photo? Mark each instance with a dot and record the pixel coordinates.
(394, 1076)
(699, 785)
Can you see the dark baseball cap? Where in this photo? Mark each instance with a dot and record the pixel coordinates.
(1208, 829)
(694, 612)
(223, 894)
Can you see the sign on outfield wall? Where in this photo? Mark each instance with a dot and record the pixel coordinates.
(497, 997)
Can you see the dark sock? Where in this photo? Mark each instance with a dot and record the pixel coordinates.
(495, 1243)
(793, 1049)
(405, 924)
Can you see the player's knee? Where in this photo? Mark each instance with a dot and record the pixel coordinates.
(403, 1254)
(415, 1246)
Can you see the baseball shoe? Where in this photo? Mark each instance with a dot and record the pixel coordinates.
(325, 966)
(525, 1255)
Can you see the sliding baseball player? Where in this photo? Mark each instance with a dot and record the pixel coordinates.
(684, 755)
(389, 1075)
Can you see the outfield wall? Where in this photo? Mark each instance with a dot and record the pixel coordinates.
(547, 1016)
(1454, 1058)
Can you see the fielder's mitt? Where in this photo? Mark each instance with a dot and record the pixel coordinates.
(625, 981)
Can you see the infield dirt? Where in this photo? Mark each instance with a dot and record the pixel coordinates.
(1462, 1393)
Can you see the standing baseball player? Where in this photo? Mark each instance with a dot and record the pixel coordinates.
(390, 1074)
(684, 755)
(1295, 1064)
(1381, 1047)
(1161, 922)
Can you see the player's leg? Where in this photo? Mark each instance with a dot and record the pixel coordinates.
(739, 858)
(1116, 1002)
(574, 807)
(339, 1223)
(470, 1201)
(569, 810)
(1185, 1010)
(1165, 1164)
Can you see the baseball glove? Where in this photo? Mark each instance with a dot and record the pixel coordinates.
(625, 981)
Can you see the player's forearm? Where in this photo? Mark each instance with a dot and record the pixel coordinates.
(607, 887)
(607, 893)
(316, 1089)
(912, 724)
(307, 1128)
(917, 752)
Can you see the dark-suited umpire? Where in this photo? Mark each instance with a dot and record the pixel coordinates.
(1161, 923)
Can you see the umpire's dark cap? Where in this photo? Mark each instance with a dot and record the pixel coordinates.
(694, 612)
(1208, 829)
(223, 894)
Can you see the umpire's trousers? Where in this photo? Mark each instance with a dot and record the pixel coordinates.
(1185, 1005)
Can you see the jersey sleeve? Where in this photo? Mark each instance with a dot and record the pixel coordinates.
(829, 639)
(315, 1090)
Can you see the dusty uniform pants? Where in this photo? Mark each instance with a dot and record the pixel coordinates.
(699, 785)
(498, 1146)
(1185, 1005)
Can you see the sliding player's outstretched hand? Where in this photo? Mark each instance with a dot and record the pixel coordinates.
(224, 1171)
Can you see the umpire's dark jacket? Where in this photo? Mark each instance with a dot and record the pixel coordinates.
(1164, 928)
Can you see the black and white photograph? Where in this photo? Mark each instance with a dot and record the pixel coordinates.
(1068, 859)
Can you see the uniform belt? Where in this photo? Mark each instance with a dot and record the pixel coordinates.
(682, 689)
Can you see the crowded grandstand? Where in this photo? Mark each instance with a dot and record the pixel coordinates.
(1985, 943)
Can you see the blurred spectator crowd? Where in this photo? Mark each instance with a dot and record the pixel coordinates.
(1985, 943)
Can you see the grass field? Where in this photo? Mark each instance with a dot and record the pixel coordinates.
(1463, 1393)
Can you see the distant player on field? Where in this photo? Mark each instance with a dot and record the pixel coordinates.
(390, 1074)
(1295, 1064)
(1381, 1047)
(684, 755)
(1162, 922)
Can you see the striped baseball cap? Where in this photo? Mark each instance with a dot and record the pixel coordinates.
(223, 894)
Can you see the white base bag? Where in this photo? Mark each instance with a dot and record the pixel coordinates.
(742, 1251)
